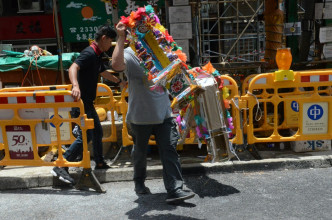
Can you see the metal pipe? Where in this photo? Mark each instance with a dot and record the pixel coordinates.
(58, 41)
(237, 26)
(219, 31)
(307, 29)
(244, 30)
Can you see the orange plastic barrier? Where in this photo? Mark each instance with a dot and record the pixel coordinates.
(270, 101)
(236, 105)
(272, 106)
(127, 139)
(25, 124)
(65, 128)
(36, 88)
(245, 84)
(106, 100)
(289, 120)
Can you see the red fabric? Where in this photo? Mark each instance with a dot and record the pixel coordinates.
(96, 48)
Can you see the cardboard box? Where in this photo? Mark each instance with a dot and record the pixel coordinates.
(314, 145)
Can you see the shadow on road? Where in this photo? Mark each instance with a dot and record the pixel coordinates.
(204, 186)
(156, 202)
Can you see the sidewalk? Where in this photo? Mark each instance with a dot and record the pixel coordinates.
(192, 164)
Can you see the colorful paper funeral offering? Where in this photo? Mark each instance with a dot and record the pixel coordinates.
(161, 58)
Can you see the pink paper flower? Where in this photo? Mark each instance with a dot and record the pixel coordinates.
(177, 86)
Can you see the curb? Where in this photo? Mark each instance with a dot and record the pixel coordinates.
(45, 179)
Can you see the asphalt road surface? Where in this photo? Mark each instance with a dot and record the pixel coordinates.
(288, 194)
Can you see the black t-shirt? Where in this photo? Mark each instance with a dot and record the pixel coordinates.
(91, 66)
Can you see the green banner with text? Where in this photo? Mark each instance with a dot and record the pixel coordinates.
(81, 18)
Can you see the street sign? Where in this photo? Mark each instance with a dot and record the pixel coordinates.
(81, 18)
(315, 118)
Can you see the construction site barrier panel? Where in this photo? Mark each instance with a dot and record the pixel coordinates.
(65, 128)
(245, 86)
(302, 104)
(236, 106)
(104, 99)
(25, 123)
(127, 139)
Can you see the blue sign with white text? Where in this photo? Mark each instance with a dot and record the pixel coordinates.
(295, 106)
(315, 112)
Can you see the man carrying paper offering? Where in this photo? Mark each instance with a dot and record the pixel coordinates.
(149, 113)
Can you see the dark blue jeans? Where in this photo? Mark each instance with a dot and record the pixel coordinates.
(96, 135)
(166, 137)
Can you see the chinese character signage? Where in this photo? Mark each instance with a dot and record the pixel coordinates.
(26, 27)
(315, 118)
(81, 18)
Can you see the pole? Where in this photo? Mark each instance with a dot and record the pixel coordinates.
(58, 41)
(307, 27)
(274, 29)
(292, 41)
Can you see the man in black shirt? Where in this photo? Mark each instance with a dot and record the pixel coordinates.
(83, 75)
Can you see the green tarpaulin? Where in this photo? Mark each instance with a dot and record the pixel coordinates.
(11, 62)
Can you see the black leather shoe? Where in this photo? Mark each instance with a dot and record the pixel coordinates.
(179, 196)
(140, 188)
(102, 166)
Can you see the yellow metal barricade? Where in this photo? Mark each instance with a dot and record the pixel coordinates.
(25, 124)
(309, 95)
(36, 88)
(236, 105)
(245, 84)
(106, 100)
(265, 125)
(127, 139)
(65, 128)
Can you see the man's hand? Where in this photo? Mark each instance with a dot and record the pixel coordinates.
(76, 93)
(123, 84)
(121, 29)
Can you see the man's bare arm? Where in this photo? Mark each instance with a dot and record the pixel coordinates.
(118, 63)
(73, 70)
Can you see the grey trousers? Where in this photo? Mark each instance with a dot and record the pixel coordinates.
(166, 138)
